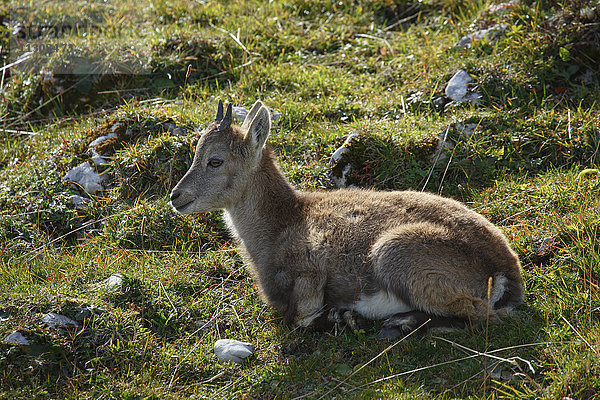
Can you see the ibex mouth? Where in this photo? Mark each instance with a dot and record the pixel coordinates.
(180, 208)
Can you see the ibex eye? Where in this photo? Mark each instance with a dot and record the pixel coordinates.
(213, 162)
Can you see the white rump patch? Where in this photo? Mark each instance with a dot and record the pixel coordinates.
(380, 305)
(498, 289)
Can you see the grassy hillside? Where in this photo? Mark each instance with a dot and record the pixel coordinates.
(151, 73)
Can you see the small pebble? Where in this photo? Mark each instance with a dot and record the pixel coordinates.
(114, 282)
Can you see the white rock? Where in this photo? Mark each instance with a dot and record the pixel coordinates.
(114, 282)
(16, 338)
(491, 35)
(344, 148)
(54, 320)
(103, 138)
(458, 88)
(85, 176)
(340, 182)
(233, 350)
(336, 157)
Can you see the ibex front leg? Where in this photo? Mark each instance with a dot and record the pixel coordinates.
(306, 302)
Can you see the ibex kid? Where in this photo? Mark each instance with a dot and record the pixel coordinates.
(406, 256)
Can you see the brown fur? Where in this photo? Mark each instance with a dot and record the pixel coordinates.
(310, 252)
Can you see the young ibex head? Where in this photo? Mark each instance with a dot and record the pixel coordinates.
(225, 156)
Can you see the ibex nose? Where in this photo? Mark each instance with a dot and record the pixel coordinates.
(175, 194)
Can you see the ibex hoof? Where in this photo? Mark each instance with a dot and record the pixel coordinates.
(398, 325)
(340, 319)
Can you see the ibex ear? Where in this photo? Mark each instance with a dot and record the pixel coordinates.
(258, 129)
(252, 114)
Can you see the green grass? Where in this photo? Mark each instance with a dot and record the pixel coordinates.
(378, 68)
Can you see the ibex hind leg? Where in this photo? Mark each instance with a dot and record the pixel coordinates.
(432, 270)
(402, 324)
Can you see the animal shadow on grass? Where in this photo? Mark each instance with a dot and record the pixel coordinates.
(316, 356)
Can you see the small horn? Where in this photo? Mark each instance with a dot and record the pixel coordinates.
(219, 116)
(226, 121)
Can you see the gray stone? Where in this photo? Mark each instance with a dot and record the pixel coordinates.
(101, 139)
(460, 89)
(240, 113)
(116, 126)
(79, 202)
(466, 130)
(494, 370)
(443, 141)
(86, 176)
(174, 129)
(53, 320)
(16, 337)
(233, 350)
(490, 35)
(97, 158)
(202, 325)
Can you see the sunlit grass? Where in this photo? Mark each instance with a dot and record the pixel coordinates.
(376, 68)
